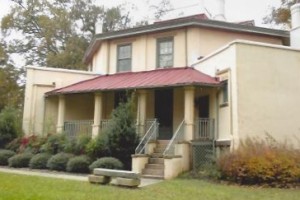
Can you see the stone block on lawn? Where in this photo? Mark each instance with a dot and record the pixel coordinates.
(116, 173)
(98, 179)
(128, 182)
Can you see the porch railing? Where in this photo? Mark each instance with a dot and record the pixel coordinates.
(104, 123)
(205, 129)
(151, 134)
(75, 128)
(177, 137)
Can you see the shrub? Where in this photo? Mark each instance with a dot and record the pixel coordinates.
(59, 161)
(9, 126)
(106, 162)
(54, 144)
(263, 163)
(79, 164)
(5, 155)
(32, 143)
(97, 148)
(20, 160)
(39, 161)
(77, 146)
(121, 133)
(14, 145)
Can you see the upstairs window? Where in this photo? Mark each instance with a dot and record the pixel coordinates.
(124, 58)
(165, 51)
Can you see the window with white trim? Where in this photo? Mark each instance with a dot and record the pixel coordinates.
(165, 52)
(124, 58)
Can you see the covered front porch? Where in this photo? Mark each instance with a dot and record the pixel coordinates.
(173, 108)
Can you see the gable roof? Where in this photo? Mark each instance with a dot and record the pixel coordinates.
(195, 20)
(168, 77)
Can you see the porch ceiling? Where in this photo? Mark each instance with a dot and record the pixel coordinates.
(169, 77)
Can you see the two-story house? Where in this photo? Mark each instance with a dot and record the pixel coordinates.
(201, 85)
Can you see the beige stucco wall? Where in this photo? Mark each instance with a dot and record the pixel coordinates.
(79, 107)
(40, 80)
(263, 84)
(189, 44)
(268, 91)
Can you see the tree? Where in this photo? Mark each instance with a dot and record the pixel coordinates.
(161, 9)
(281, 15)
(57, 33)
(121, 137)
(11, 89)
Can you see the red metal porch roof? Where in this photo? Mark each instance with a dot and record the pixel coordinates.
(169, 77)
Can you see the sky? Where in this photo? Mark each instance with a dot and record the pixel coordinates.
(236, 10)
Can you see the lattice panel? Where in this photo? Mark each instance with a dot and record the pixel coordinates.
(203, 153)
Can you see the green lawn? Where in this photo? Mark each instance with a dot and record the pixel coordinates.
(21, 187)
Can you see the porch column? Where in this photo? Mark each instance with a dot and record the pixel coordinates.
(142, 110)
(189, 96)
(97, 114)
(61, 114)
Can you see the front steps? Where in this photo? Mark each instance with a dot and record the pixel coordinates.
(155, 166)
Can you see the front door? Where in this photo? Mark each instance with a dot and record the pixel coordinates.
(164, 113)
(204, 107)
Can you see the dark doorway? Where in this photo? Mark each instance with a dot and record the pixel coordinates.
(164, 113)
(204, 107)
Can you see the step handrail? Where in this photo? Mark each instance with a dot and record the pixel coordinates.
(177, 137)
(151, 134)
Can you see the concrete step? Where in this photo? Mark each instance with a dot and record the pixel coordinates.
(153, 176)
(155, 172)
(155, 166)
(156, 155)
(163, 142)
(159, 150)
(156, 161)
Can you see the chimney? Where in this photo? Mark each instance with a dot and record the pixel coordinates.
(219, 10)
(295, 31)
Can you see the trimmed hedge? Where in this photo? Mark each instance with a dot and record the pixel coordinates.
(107, 162)
(39, 161)
(5, 155)
(79, 164)
(59, 161)
(20, 160)
(262, 163)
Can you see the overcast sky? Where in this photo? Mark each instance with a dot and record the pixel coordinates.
(236, 10)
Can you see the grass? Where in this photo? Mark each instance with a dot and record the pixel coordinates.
(39, 188)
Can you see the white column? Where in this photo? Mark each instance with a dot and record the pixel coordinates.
(142, 110)
(61, 114)
(98, 109)
(189, 96)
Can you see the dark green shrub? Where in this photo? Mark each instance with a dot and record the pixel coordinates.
(79, 164)
(121, 133)
(107, 163)
(9, 126)
(77, 146)
(54, 144)
(39, 161)
(59, 161)
(5, 155)
(262, 163)
(97, 148)
(20, 160)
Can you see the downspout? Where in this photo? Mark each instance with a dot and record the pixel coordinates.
(231, 107)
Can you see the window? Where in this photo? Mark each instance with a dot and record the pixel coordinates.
(124, 58)
(225, 92)
(165, 52)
